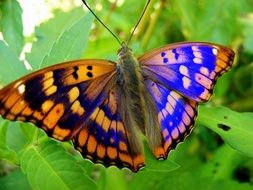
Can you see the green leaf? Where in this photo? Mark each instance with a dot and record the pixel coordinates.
(14, 180)
(11, 25)
(49, 32)
(5, 152)
(223, 164)
(11, 67)
(48, 166)
(71, 44)
(233, 127)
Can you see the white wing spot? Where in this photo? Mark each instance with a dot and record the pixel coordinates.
(21, 89)
(183, 70)
(204, 71)
(197, 60)
(195, 48)
(186, 82)
(197, 54)
(215, 51)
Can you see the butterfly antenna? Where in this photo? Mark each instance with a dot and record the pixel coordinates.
(84, 2)
(145, 8)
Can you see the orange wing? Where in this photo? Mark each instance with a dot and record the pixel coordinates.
(105, 139)
(59, 99)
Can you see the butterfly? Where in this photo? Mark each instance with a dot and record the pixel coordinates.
(103, 107)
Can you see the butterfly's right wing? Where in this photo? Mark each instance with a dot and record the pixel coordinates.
(59, 99)
(176, 116)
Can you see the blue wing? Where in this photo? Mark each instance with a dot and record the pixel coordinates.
(176, 114)
(191, 69)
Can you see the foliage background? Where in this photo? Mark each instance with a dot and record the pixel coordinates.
(219, 152)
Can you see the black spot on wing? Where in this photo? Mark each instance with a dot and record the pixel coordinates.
(75, 75)
(89, 74)
(89, 67)
(34, 88)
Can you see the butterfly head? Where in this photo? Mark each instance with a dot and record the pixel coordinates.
(124, 50)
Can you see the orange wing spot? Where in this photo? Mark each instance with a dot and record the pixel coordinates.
(192, 103)
(205, 95)
(48, 75)
(189, 110)
(54, 115)
(18, 107)
(60, 133)
(120, 127)
(47, 83)
(38, 115)
(13, 98)
(73, 94)
(101, 151)
(2, 111)
(51, 90)
(77, 108)
(100, 117)
(94, 114)
(186, 118)
(138, 162)
(175, 133)
(91, 144)
(167, 144)
(160, 117)
(10, 117)
(21, 118)
(47, 105)
(106, 124)
(122, 146)
(27, 111)
(112, 102)
(112, 152)
(82, 137)
(181, 127)
(159, 152)
(126, 158)
(222, 64)
(165, 133)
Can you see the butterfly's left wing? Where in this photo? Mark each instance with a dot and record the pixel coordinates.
(59, 99)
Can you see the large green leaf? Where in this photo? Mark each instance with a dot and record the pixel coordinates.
(14, 180)
(47, 34)
(71, 43)
(48, 166)
(11, 67)
(236, 129)
(5, 152)
(11, 25)
(223, 163)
